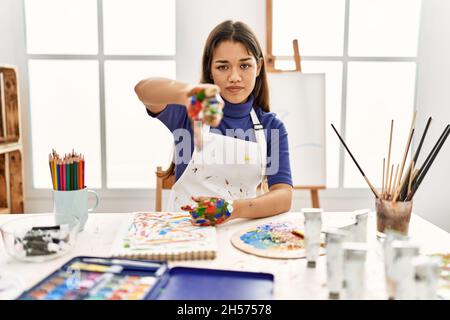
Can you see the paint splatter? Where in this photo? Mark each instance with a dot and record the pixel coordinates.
(195, 170)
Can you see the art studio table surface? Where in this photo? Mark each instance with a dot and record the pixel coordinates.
(293, 280)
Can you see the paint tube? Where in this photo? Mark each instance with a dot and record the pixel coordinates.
(361, 225)
(426, 277)
(402, 269)
(354, 265)
(313, 226)
(335, 261)
(391, 235)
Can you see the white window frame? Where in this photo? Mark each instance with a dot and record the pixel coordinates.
(345, 59)
(23, 57)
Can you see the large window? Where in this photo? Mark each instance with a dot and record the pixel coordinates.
(84, 58)
(367, 49)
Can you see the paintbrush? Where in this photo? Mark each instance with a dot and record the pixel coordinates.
(430, 155)
(123, 262)
(298, 233)
(428, 162)
(405, 154)
(354, 160)
(404, 191)
(389, 159)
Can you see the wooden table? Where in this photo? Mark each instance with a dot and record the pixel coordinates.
(292, 279)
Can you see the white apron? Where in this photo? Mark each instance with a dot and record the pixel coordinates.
(226, 167)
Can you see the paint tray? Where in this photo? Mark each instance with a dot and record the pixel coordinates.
(146, 280)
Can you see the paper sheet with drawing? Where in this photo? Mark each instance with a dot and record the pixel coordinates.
(164, 235)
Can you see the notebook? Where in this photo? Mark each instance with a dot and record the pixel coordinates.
(164, 236)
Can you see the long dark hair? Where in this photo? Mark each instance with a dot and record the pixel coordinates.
(239, 32)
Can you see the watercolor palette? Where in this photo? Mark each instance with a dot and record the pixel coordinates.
(90, 278)
(279, 240)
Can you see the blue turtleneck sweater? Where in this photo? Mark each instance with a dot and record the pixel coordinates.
(235, 116)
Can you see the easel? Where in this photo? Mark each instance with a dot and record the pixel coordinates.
(270, 66)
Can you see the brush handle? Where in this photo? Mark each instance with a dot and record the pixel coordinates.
(431, 157)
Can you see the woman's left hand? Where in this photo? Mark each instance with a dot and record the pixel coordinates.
(209, 210)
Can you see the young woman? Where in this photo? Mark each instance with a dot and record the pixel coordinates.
(232, 66)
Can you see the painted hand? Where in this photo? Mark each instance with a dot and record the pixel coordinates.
(209, 210)
(205, 106)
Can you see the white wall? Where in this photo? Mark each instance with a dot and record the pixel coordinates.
(432, 200)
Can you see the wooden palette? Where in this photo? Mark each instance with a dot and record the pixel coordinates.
(273, 240)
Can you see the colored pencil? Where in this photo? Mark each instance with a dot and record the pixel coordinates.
(82, 173)
(50, 162)
(69, 170)
(55, 174)
(79, 175)
(75, 175)
(72, 172)
(67, 173)
(58, 183)
(64, 175)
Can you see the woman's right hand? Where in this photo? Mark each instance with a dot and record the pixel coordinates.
(209, 95)
(204, 106)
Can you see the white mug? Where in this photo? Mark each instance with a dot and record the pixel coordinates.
(75, 203)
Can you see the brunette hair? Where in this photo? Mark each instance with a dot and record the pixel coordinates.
(238, 32)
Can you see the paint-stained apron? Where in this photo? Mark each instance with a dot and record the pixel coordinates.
(226, 167)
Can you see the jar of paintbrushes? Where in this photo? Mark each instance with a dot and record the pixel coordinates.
(394, 205)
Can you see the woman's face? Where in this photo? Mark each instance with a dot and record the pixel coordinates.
(234, 70)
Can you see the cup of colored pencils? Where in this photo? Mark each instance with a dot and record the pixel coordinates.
(67, 172)
(70, 195)
(394, 204)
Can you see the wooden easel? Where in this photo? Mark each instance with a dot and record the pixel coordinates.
(270, 66)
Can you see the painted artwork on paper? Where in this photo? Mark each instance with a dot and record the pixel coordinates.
(444, 276)
(283, 240)
(149, 230)
(164, 236)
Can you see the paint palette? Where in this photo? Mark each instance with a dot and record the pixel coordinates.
(89, 278)
(278, 240)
